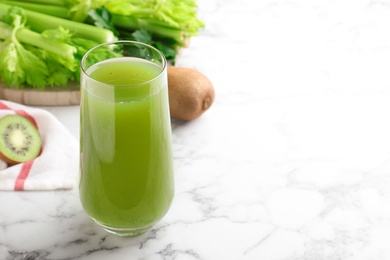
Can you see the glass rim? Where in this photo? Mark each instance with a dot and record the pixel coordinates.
(117, 42)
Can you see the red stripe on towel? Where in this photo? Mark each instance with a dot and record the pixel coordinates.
(28, 116)
(19, 112)
(4, 106)
(23, 174)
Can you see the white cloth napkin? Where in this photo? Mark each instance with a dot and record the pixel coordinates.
(55, 168)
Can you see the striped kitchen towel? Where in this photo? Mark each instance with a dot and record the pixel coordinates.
(57, 165)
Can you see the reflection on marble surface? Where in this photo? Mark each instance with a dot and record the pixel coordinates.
(291, 162)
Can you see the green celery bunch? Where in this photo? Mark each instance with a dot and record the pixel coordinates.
(39, 63)
(166, 24)
(16, 62)
(43, 41)
(48, 56)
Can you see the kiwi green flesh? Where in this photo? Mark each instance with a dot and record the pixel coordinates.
(20, 140)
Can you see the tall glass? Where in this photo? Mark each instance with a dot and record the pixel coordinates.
(126, 183)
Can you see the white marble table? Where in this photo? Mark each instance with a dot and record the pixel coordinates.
(291, 162)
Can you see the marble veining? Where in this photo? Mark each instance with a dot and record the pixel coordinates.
(292, 162)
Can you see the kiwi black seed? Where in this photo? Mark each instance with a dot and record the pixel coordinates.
(20, 140)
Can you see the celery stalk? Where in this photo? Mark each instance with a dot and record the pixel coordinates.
(45, 2)
(54, 10)
(25, 35)
(40, 22)
(131, 23)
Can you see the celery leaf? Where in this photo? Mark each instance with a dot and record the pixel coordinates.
(18, 65)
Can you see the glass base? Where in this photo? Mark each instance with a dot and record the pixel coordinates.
(125, 232)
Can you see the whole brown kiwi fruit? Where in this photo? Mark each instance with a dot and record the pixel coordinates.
(191, 93)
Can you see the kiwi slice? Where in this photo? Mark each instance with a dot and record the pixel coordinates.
(20, 140)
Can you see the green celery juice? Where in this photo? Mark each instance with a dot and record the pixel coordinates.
(126, 161)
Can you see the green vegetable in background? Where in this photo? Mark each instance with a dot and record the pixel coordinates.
(16, 61)
(175, 19)
(49, 57)
(58, 32)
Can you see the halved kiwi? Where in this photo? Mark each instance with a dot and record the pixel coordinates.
(20, 140)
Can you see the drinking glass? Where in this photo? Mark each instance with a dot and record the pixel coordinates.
(126, 163)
